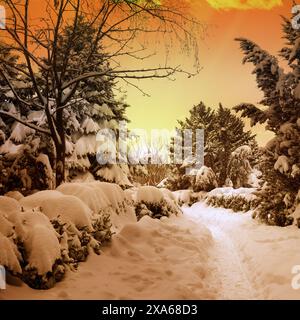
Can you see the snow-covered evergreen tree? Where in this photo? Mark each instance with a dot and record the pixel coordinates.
(224, 132)
(239, 167)
(24, 164)
(27, 156)
(97, 108)
(281, 89)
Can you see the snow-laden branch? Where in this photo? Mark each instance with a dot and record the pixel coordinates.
(25, 123)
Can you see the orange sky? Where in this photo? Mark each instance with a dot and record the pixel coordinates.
(223, 77)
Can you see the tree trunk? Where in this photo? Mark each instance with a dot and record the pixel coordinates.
(60, 150)
(60, 165)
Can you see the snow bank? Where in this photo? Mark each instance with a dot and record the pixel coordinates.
(15, 195)
(94, 198)
(70, 209)
(53, 231)
(188, 197)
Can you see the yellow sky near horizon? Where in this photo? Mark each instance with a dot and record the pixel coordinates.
(223, 77)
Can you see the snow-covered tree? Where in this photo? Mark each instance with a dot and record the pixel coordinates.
(224, 132)
(23, 163)
(239, 167)
(281, 161)
(56, 74)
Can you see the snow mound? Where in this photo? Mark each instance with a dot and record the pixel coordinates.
(154, 202)
(205, 179)
(6, 227)
(70, 209)
(14, 195)
(149, 194)
(34, 200)
(101, 198)
(241, 199)
(9, 205)
(40, 240)
(183, 196)
(43, 248)
(55, 204)
(94, 198)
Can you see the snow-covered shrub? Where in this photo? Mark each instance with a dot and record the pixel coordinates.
(9, 205)
(10, 257)
(48, 232)
(188, 197)
(36, 245)
(103, 198)
(15, 195)
(152, 201)
(242, 199)
(204, 180)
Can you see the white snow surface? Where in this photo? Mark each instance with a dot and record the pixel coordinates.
(207, 253)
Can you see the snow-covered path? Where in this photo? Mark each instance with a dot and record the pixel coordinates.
(229, 273)
(207, 253)
(251, 260)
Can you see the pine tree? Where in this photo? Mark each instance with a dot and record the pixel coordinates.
(27, 156)
(223, 133)
(281, 161)
(23, 165)
(97, 109)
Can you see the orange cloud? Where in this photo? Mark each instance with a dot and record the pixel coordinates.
(245, 4)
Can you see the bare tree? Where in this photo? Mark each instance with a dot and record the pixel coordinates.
(45, 63)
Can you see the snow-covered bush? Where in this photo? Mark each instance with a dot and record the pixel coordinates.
(44, 234)
(188, 197)
(103, 198)
(242, 199)
(152, 201)
(204, 180)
